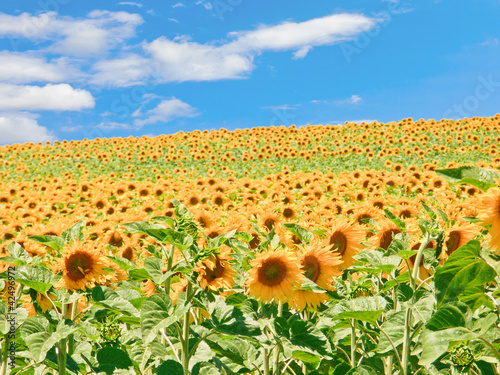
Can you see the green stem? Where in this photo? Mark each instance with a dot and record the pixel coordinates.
(406, 342)
(170, 260)
(185, 332)
(71, 339)
(5, 353)
(61, 346)
(266, 362)
(353, 343)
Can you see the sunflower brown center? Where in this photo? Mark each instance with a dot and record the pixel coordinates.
(272, 272)
(405, 214)
(288, 213)
(128, 253)
(453, 241)
(270, 223)
(386, 238)
(311, 267)
(78, 265)
(215, 273)
(339, 242)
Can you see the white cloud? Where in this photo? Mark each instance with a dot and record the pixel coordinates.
(100, 31)
(173, 20)
(71, 129)
(60, 97)
(130, 3)
(22, 127)
(168, 110)
(27, 68)
(207, 5)
(283, 107)
(182, 59)
(113, 126)
(176, 5)
(490, 42)
(353, 99)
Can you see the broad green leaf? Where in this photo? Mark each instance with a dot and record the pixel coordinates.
(74, 233)
(306, 357)
(54, 242)
(161, 234)
(303, 334)
(362, 370)
(38, 278)
(109, 299)
(170, 367)
(111, 358)
(379, 260)
(463, 270)
(157, 312)
(482, 178)
(302, 234)
(394, 328)
(36, 333)
(449, 315)
(18, 254)
(436, 343)
(367, 309)
(311, 286)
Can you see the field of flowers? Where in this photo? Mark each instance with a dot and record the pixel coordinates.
(354, 249)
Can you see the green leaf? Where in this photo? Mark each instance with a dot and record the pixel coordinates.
(139, 274)
(36, 333)
(111, 358)
(38, 278)
(306, 357)
(153, 267)
(394, 328)
(367, 309)
(463, 270)
(448, 316)
(482, 178)
(437, 343)
(19, 255)
(161, 234)
(303, 334)
(311, 286)
(157, 312)
(164, 219)
(74, 233)
(109, 299)
(302, 234)
(362, 370)
(170, 367)
(54, 242)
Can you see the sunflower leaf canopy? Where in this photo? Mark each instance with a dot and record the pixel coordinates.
(39, 278)
(303, 234)
(464, 269)
(367, 309)
(74, 233)
(482, 178)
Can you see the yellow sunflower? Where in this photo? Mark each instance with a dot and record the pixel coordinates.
(83, 267)
(386, 232)
(274, 276)
(490, 215)
(215, 272)
(346, 239)
(319, 265)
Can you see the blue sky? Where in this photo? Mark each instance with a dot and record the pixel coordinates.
(74, 69)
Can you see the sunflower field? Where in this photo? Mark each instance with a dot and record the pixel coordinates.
(350, 249)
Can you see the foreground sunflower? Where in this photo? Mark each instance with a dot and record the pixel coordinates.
(490, 215)
(274, 276)
(83, 267)
(215, 272)
(346, 239)
(319, 265)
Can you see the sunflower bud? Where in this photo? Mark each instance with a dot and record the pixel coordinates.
(110, 331)
(461, 355)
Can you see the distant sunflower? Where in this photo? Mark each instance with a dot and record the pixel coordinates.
(490, 215)
(83, 267)
(274, 276)
(215, 272)
(319, 265)
(386, 231)
(346, 239)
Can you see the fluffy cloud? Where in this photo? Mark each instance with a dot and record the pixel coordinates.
(100, 31)
(22, 127)
(60, 97)
(168, 110)
(27, 68)
(182, 59)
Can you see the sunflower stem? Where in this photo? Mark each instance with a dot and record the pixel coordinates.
(170, 260)
(353, 343)
(71, 338)
(185, 332)
(5, 353)
(62, 349)
(266, 362)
